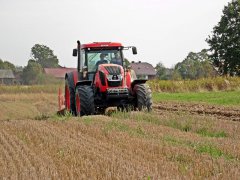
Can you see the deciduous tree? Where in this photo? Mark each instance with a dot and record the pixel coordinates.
(225, 40)
(195, 65)
(161, 71)
(31, 72)
(44, 56)
(7, 65)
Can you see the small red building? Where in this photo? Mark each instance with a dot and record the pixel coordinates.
(58, 72)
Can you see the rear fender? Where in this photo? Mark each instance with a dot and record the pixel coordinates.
(72, 76)
(138, 81)
(82, 83)
(70, 81)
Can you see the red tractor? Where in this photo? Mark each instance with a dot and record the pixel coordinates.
(103, 80)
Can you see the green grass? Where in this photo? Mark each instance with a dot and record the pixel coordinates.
(120, 126)
(209, 149)
(218, 98)
(207, 133)
(201, 148)
(183, 126)
(213, 151)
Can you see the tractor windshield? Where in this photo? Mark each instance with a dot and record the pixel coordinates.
(96, 57)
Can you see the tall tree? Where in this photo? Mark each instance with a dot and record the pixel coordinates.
(195, 65)
(31, 72)
(44, 56)
(7, 65)
(161, 71)
(225, 40)
(1, 64)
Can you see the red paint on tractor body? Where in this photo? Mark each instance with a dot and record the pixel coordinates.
(101, 45)
(103, 88)
(128, 80)
(75, 77)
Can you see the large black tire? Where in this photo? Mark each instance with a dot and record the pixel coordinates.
(69, 85)
(143, 97)
(84, 96)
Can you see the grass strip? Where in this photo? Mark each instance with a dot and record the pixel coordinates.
(217, 98)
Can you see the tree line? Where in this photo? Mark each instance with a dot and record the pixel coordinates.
(41, 57)
(194, 66)
(223, 57)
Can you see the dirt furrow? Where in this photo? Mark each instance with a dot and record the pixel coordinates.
(226, 113)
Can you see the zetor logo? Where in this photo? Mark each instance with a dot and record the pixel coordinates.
(114, 77)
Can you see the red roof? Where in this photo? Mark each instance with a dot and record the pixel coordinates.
(143, 68)
(58, 72)
(101, 44)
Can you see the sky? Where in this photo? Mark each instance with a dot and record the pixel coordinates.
(162, 30)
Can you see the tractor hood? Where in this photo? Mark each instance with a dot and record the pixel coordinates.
(111, 75)
(111, 69)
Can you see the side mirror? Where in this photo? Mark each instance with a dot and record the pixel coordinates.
(75, 52)
(134, 50)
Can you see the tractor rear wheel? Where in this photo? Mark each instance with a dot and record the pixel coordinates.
(84, 100)
(70, 95)
(143, 97)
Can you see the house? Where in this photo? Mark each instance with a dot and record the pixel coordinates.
(7, 77)
(143, 70)
(58, 72)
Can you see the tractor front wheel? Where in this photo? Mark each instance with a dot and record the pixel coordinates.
(84, 101)
(143, 97)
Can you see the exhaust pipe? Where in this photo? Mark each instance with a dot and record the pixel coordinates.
(79, 55)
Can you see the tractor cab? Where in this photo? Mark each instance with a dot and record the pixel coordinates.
(90, 56)
(95, 57)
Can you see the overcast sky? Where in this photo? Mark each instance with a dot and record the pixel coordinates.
(162, 30)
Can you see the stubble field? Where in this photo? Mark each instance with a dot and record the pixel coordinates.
(178, 140)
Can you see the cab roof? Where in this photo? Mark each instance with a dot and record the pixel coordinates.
(101, 45)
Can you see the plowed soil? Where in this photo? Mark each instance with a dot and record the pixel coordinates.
(175, 141)
(226, 113)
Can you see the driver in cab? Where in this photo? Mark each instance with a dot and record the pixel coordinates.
(117, 59)
(102, 60)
